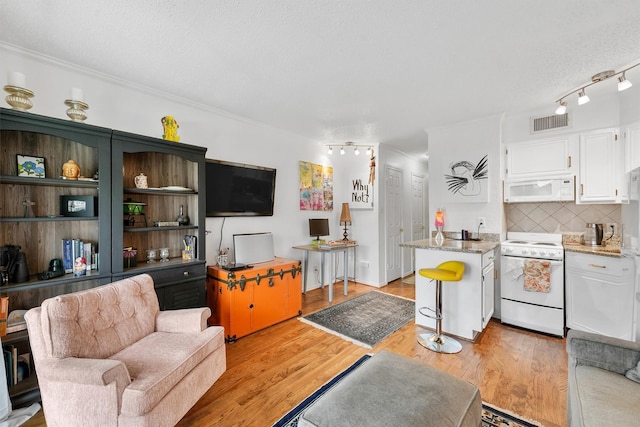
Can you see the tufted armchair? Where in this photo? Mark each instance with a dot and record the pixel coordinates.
(107, 356)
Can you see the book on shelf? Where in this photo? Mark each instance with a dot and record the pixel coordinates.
(75, 248)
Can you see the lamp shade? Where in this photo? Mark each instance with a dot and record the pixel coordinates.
(345, 214)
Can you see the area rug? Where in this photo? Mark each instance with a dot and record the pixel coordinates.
(492, 416)
(366, 319)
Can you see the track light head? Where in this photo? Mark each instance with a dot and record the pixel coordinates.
(623, 83)
(562, 108)
(582, 97)
(368, 151)
(356, 151)
(330, 151)
(342, 151)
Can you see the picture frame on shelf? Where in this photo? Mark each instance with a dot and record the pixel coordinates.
(30, 166)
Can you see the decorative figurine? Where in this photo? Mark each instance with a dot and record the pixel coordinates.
(28, 208)
(71, 170)
(141, 181)
(170, 129)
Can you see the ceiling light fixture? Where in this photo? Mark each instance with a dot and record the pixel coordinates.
(582, 98)
(349, 144)
(623, 84)
(562, 108)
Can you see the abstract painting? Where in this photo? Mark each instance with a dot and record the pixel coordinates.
(316, 187)
(467, 180)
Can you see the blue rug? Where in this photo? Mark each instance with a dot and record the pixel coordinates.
(491, 415)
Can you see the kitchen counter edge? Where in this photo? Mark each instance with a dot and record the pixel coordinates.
(474, 247)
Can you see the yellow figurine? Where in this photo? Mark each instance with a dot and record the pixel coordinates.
(170, 129)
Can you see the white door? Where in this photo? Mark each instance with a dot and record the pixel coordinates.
(393, 209)
(417, 217)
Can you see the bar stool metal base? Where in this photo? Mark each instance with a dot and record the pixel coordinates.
(439, 343)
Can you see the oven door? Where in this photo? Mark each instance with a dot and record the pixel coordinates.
(512, 283)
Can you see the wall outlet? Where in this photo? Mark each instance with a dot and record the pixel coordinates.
(481, 222)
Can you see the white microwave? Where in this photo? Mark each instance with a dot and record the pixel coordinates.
(540, 190)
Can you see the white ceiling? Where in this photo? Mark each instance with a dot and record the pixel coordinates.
(340, 70)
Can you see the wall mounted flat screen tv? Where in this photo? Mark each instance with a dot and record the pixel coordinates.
(236, 189)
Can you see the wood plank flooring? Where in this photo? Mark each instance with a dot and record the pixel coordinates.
(271, 371)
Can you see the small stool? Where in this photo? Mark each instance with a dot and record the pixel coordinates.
(449, 271)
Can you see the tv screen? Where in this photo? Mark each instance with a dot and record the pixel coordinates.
(318, 227)
(235, 189)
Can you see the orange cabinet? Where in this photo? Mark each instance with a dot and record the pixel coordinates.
(245, 301)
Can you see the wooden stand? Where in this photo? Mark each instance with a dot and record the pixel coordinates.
(245, 301)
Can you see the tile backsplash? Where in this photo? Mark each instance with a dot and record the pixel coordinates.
(558, 217)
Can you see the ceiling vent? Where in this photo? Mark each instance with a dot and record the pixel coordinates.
(548, 123)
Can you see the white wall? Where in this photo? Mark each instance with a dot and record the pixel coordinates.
(458, 141)
(118, 104)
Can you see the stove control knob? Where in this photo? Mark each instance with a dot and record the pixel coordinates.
(534, 252)
(543, 252)
(525, 251)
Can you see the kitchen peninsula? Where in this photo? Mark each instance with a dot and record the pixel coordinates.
(467, 305)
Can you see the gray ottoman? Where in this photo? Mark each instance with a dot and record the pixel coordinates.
(392, 390)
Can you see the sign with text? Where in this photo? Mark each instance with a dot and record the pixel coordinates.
(361, 196)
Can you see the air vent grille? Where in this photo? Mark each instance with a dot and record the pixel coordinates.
(546, 123)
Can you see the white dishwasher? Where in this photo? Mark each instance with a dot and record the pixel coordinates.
(600, 294)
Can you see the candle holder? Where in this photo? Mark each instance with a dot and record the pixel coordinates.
(18, 97)
(76, 111)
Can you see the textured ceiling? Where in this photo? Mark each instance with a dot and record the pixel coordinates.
(338, 70)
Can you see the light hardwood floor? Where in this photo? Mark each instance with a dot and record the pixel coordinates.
(270, 371)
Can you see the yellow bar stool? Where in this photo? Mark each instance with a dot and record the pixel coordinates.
(449, 271)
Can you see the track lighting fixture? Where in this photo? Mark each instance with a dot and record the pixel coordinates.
(356, 148)
(582, 98)
(623, 84)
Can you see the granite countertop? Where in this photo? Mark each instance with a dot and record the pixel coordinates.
(573, 243)
(594, 250)
(469, 246)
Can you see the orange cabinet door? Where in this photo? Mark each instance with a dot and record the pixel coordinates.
(269, 302)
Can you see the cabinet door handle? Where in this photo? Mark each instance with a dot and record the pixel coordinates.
(186, 273)
(569, 161)
(597, 266)
(582, 189)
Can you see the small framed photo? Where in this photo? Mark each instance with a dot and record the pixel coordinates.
(30, 166)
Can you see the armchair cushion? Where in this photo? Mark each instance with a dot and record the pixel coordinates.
(598, 393)
(154, 373)
(99, 322)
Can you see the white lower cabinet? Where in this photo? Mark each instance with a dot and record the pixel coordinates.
(467, 305)
(600, 294)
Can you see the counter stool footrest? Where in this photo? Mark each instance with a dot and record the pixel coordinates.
(435, 314)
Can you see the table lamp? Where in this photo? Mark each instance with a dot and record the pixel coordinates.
(345, 217)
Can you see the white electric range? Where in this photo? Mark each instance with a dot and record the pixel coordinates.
(538, 259)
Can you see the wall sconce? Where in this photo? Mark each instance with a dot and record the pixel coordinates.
(349, 144)
(345, 218)
(623, 84)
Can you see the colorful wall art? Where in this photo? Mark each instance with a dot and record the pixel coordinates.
(316, 187)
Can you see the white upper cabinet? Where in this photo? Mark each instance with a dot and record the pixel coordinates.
(602, 171)
(632, 146)
(543, 158)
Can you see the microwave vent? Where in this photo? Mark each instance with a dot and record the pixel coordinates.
(548, 123)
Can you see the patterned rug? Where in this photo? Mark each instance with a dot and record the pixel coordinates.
(366, 319)
(492, 416)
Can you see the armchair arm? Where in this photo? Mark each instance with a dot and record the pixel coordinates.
(85, 371)
(185, 320)
(613, 354)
